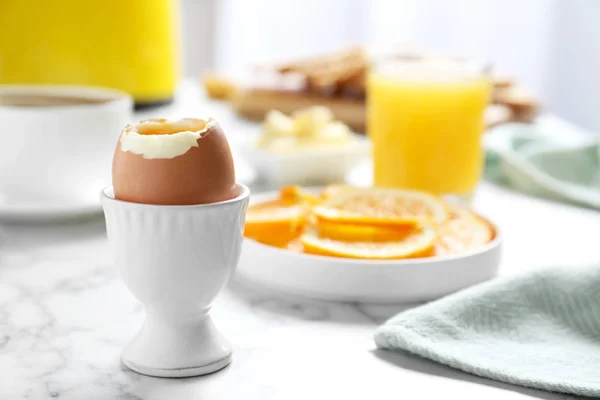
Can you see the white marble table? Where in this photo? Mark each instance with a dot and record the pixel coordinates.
(64, 317)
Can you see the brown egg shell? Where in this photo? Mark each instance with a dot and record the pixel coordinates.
(204, 174)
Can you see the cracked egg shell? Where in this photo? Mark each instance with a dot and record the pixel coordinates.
(181, 162)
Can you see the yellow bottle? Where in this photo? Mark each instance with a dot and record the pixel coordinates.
(426, 123)
(131, 45)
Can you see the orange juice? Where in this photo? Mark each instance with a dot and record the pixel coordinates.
(426, 122)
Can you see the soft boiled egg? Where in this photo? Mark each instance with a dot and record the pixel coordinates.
(173, 162)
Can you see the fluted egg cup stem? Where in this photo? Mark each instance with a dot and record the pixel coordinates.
(175, 260)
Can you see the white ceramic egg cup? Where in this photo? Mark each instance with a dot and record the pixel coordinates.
(176, 260)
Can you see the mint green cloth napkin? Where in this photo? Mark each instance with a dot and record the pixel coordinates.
(523, 157)
(540, 330)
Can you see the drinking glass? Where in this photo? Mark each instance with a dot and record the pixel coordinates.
(426, 120)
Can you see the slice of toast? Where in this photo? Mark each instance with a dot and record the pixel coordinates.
(255, 103)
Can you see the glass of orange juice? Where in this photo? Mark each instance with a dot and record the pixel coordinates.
(426, 120)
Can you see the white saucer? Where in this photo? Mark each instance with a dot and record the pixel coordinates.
(27, 204)
(340, 279)
(38, 204)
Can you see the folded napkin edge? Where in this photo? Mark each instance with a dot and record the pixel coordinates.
(414, 343)
(415, 331)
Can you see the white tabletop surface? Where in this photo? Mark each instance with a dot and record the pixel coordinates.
(64, 315)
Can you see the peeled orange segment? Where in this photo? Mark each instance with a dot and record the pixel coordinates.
(418, 244)
(274, 222)
(381, 207)
(462, 232)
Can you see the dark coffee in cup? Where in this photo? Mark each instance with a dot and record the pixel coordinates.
(47, 100)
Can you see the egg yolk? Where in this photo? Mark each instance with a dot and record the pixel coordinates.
(165, 127)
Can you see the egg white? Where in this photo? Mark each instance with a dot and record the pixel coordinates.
(164, 145)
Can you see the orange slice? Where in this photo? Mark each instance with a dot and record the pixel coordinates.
(362, 233)
(274, 222)
(381, 207)
(332, 190)
(462, 232)
(419, 243)
(294, 245)
(294, 194)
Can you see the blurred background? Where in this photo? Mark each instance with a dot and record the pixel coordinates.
(549, 45)
(178, 58)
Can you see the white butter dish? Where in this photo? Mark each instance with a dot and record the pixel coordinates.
(306, 166)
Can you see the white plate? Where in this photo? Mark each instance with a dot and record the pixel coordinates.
(342, 279)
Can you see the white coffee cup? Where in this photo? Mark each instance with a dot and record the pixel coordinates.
(56, 142)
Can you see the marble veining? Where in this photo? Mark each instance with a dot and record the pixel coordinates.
(65, 316)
